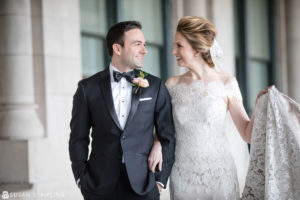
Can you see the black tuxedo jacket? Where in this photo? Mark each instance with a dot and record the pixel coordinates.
(93, 110)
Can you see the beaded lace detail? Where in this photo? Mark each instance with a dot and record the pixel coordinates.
(274, 168)
(204, 167)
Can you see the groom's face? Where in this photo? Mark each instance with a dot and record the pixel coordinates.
(134, 49)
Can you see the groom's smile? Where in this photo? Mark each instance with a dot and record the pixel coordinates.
(134, 48)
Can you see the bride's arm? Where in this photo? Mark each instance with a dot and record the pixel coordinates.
(155, 157)
(240, 118)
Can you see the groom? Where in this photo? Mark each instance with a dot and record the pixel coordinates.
(121, 106)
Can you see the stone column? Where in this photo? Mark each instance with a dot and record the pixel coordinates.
(293, 47)
(196, 8)
(182, 8)
(222, 17)
(281, 46)
(18, 118)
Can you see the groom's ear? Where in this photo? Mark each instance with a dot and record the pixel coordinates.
(116, 49)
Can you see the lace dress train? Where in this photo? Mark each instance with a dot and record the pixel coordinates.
(274, 168)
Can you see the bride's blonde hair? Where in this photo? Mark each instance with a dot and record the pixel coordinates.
(200, 33)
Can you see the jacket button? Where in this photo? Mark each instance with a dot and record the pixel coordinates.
(123, 137)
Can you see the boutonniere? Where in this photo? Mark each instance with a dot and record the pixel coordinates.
(140, 81)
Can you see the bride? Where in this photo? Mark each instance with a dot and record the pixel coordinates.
(204, 167)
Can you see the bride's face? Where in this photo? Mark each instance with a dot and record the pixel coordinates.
(185, 54)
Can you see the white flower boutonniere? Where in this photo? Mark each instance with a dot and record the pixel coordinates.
(140, 81)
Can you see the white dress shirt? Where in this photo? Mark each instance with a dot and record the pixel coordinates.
(121, 93)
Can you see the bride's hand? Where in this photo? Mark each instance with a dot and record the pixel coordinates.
(155, 157)
(262, 92)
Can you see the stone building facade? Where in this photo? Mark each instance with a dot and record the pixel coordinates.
(41, 61)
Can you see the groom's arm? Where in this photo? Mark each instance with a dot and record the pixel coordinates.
(79, 137)
(164, 127)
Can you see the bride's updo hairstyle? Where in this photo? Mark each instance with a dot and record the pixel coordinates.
(200, 33)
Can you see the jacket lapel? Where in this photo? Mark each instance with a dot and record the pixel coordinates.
(107, 94)
(134, 105)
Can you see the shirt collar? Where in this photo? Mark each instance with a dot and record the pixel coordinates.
(111, 69)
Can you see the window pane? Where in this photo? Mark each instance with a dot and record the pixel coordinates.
(92, 55)
(258, 27)
(93, 16)
(152, 61)
(257, 79)
(149, 13)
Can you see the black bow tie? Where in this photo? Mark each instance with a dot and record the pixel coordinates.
(128, 75)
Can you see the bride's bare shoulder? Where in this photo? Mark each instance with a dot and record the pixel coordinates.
(226, 78)
(173, 81)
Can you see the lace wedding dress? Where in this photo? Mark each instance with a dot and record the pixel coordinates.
(274, 169)
(204, 166)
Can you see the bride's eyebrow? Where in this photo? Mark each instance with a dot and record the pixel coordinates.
(177, 43)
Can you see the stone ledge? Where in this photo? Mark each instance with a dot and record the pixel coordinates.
(15, 187)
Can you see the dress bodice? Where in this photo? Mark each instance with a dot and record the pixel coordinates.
(202, 151)
(199, 112)
(199, 107)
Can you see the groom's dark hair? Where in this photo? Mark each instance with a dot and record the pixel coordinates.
(116, 33)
